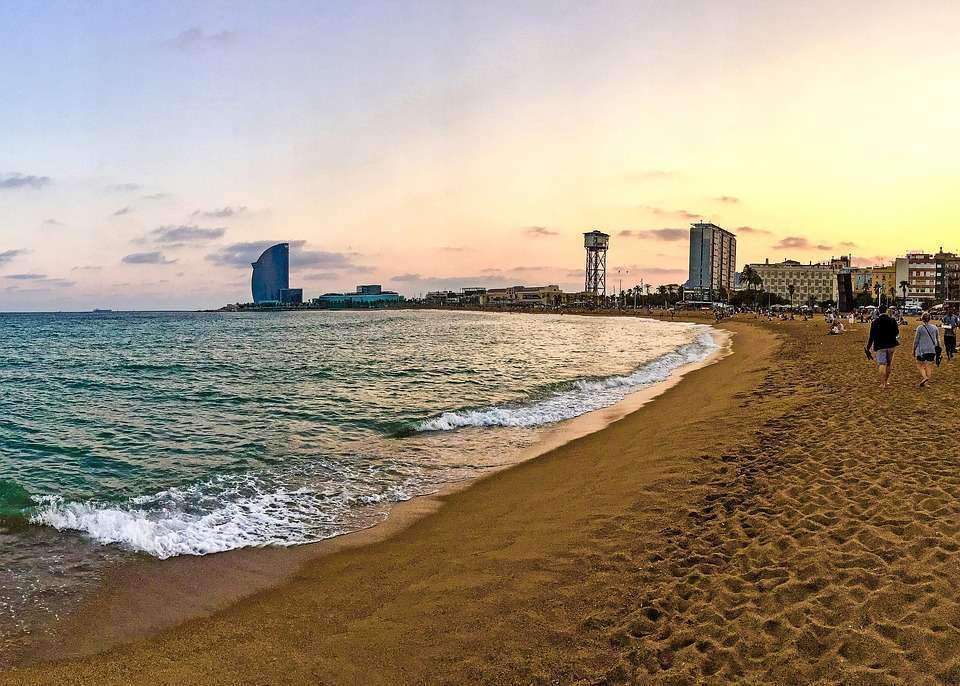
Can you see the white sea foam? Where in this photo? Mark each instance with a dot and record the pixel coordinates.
(264, 519)
(582, 397)
(221, 514)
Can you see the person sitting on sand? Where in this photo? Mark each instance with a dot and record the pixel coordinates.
(926, 344)
(884, 338)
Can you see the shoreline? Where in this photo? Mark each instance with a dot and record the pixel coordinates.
(144, 596)
(470, 591)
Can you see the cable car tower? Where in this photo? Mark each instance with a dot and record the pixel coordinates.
(596, 244)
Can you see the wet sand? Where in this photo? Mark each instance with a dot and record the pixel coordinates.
(772, 518)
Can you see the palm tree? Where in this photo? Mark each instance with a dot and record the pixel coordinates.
(903, 287)
(893, 293)
(748, 276)
(878, 289)
(790, 289)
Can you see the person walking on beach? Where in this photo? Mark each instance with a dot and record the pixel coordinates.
(884, 338)
(950, 323)
(926, 348)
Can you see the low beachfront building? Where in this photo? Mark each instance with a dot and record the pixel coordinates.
(365, 296)
(522, 296)
(815, 282)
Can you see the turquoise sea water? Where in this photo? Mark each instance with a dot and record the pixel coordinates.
(183, 434)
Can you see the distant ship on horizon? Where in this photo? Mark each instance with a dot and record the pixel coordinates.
(97, 310)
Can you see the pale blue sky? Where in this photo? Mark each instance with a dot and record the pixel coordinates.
(416, 143)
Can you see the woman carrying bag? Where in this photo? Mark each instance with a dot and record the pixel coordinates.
(926, 348)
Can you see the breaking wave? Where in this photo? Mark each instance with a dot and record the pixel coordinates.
(581, 397)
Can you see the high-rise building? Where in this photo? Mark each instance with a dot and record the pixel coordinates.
(271, 274)
(713, 261)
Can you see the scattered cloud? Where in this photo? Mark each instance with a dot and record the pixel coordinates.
(9, 255)
(122, 211)
(196, 37)
(243, 254)
(146, 258)
(223, 213)
(124, 187)
(33, 278)
(753, 230)
(656, 234)
(25, 277)
(847, 244)
(52, 222)
(728, 199)
(540, 231)
(157, 196)
(11, 181)
(322, 276)
(86, 268)
(176, 236)
(661, 212)
(454, 248)
(799, 243)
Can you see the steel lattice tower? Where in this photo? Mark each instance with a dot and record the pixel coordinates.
(596, 244)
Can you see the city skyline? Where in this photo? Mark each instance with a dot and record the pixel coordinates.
(151, 153)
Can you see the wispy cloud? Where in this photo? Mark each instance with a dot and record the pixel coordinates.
(86, 268)
(799, 243)
(34, 278)
(196, 37)
(661, 212)
(174, 236)
(8, 256)
(25, 277)
(243, 254)
(157, 196)
(540, 231)
(656, 234)
(52, 222)
(13, 181)
(728, 199)
(752, 230)
(124, 187)
(223, 213)
(122, 211)
(146, 258)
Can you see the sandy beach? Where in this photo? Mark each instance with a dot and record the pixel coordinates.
(771, 519)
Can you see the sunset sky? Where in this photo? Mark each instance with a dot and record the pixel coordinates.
(149, 151)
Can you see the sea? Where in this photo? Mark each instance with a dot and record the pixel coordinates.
(167, 434)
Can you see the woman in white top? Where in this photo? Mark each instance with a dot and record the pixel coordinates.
(926, 342)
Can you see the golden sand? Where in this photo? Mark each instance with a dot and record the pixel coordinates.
(773, 518)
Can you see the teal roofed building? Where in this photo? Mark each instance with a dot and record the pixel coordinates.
(365, 296)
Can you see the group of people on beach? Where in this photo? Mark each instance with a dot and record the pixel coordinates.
(885, 337)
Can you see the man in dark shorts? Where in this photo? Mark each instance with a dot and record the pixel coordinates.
(884, 338)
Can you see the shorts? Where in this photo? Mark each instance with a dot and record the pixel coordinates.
(927, 357)
(884, 356)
